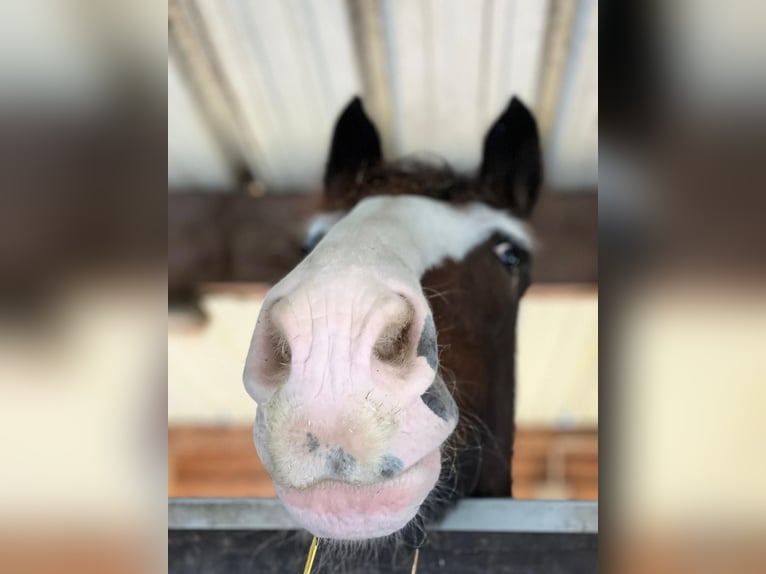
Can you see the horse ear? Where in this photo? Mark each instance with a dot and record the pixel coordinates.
(355, 145)
(511, 166)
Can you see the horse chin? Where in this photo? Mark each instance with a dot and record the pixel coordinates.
(345, 511)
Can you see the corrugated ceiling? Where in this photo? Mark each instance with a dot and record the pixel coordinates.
(255, 85)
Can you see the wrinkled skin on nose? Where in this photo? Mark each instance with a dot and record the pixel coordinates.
(351, 410)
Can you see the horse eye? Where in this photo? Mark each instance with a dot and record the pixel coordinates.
(310, 242)
(509, 254)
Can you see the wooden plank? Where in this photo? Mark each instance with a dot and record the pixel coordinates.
(75, 549)
(222, 462)
(566, 227)
(239, 238)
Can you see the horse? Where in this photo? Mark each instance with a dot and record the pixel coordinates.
(382, 365)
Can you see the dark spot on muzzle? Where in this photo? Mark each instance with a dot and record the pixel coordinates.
(427, 343)
(438, 399)
(391, 466)
(340, 463)
(312, 442)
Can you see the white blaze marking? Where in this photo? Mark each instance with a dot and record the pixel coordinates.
(421, 232)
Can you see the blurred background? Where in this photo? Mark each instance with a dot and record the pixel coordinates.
(254, 89)
(83, 216)
(83, 239)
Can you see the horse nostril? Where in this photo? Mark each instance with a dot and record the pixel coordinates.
(282, 352)
(394, 343)
(274, 354)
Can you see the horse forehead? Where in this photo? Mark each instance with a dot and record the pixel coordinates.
(418, 231)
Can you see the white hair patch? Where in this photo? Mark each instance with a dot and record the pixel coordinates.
(422, 232)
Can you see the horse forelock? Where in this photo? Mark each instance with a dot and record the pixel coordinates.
(410, 176)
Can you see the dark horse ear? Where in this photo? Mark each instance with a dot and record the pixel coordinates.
(355, 145)
(511, 165)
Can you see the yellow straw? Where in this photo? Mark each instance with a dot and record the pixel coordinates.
(312, 554)
(415, 561)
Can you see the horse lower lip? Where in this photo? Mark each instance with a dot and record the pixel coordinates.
(341, 510)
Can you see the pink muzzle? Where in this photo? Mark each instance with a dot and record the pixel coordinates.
(352, 413)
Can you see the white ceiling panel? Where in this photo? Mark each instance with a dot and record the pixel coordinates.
(195, 158)
(434, 74)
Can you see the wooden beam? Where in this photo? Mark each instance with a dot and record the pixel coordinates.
(239, 238)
